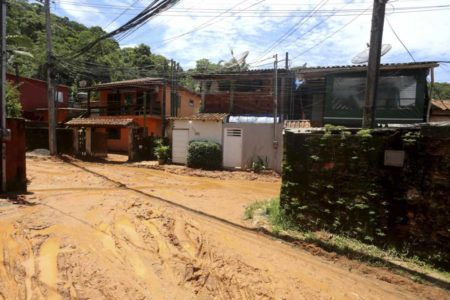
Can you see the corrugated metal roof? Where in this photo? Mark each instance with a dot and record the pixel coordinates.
(203, 117)
(412, 65)
(441, 104)
(267, 72)
(101, 122)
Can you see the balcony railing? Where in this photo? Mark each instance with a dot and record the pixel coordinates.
(124, 110)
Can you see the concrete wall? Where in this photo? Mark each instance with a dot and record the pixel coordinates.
(258, 142)
(201, 130)
(16, 177)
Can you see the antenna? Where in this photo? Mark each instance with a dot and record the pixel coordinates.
(363, 56)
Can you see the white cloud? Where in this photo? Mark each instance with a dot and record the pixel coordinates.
(256, 28)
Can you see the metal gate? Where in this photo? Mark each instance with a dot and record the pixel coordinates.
(232, 148)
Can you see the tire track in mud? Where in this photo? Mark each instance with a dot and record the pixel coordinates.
(136, 251)
(164, 258)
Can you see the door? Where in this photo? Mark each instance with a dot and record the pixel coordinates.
(180, 143)
(232, 148)
(99, 143)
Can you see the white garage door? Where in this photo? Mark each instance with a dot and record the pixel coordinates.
(232, 148)
(180, 142)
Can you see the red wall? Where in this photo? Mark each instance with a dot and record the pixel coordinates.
(16, 177)
(33, 94)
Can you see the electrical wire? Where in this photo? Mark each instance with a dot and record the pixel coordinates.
(331, 35)
(153, 9)
(398, 38)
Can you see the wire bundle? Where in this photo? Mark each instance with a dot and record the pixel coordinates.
(153, 9)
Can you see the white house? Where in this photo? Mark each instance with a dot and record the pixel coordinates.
(243, 139)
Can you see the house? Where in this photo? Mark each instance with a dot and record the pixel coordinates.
(33, 97)
(335, 95)
(127, 108)
(440, 111)
(246, 92)
(202, 126)
(244, 139)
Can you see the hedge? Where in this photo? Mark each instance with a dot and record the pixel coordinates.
(204, 155)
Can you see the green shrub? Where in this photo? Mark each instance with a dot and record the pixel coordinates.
(258, 165)
(204, 155)
(162, 152)
(13, 106)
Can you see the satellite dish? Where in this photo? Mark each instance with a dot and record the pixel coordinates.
(363, 56)
(241, 57)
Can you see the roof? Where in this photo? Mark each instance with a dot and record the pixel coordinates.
(203, 117)
(254, 72)
(256, 119)
(293, 124)
(101, 122)
(12, 77)
(441, 104)
(140, 82)
(355, 68)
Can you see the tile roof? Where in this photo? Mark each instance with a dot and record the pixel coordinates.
(101, 122)
(441, 104)
(203, 117)
(297, 124)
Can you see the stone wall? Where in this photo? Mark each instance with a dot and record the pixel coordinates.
(355, 183)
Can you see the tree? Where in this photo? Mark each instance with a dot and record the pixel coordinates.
(13, 106)
(441, 90)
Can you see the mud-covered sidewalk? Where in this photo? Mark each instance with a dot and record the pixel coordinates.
(108, 231)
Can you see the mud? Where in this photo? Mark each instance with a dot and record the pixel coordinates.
(85, 236)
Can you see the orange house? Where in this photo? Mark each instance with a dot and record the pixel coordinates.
(145, 101)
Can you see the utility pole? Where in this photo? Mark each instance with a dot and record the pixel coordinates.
(373, 68)
(172, 67)
(275, 99)
(163, 108)
(3, 94)
(50, 94)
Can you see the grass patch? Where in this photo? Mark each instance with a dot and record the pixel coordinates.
(412, 267)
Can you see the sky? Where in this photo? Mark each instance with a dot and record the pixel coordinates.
(313, 32)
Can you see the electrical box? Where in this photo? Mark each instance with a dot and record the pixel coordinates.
(394, 158)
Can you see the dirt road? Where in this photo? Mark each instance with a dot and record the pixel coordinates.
(90, 231)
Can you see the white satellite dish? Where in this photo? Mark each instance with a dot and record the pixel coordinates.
(241, 57)
(363, 56)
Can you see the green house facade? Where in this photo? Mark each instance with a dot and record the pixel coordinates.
(335, 95)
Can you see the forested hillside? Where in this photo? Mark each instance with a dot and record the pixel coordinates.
(105, 62)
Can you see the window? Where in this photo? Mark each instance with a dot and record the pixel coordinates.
(191, 103)
(394, 92)
(224, 85)
(59, 97)
(249, 85)
(114, 134)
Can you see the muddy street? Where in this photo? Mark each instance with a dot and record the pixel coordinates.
(98, 231)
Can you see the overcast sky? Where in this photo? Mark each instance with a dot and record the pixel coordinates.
(332, 35)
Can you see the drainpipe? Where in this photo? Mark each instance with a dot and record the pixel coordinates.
(430, 96)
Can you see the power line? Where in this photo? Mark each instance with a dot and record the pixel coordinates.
(121, 14)
(294, 28)
(209, 22)
(398, 38)
(153, 9)
(332, 34)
